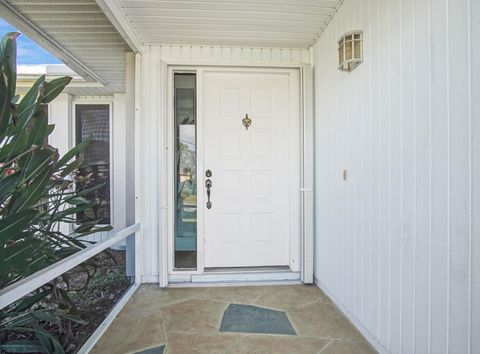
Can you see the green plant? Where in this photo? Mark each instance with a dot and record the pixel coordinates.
(36, 198)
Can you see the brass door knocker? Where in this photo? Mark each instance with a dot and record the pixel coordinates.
(246, 122)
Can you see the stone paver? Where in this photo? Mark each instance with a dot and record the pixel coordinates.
(188, 320)
(255, 344)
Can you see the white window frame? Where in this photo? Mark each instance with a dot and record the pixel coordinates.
(171, 176)
(98, 101)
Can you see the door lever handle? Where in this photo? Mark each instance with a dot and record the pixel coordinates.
(208, 185)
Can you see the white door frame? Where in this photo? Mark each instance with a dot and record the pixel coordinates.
(306, 171)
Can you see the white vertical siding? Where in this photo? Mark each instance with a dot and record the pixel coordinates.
(151, 150)
(474, 84)
(208, 54)
(60, 114)
(397, 244)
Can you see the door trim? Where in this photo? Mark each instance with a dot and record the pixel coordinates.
(306, 170)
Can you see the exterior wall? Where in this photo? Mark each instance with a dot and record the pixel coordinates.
(151, 165)
(60, 113)
(398, 242)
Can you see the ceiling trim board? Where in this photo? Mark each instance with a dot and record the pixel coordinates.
(119, 20)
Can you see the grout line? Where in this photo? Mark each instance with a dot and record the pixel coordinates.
(326, 346)
(164, 331)
(259, 296)
(292, 323)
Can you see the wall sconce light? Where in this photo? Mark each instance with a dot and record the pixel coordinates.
(350, 51)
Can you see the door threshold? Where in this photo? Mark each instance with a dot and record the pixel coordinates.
(239, 278)
(234, 283)
(247, 269)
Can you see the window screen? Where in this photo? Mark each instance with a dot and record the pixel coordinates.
(93, 121)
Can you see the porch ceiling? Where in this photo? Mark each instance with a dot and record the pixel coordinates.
(76, 32)
(265, 23)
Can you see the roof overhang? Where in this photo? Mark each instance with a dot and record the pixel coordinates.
(77, 33)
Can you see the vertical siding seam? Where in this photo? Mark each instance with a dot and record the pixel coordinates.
(362, 200)
(389, 68)
(379, 169)
(347, 229)
(355, 222)
(401, 172)
(430, 179)
(156, 112)
(370, 168)
(470, 182)
(338, 264)
(447, 38)
(414, 179)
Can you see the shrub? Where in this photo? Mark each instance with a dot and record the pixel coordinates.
(37, 195)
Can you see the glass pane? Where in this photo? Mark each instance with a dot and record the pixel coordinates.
(357, 49)
(92, 121)
(340, 55)
(348, 50)
(186, 172)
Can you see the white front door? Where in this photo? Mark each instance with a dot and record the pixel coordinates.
(254, 215)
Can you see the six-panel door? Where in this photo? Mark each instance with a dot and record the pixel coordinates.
(253, 186)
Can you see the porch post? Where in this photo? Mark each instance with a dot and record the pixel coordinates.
(129, 163)
(60, 113)
(308, 164)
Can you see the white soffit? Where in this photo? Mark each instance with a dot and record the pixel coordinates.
(255, 23)
(28, 74)
(76, 32)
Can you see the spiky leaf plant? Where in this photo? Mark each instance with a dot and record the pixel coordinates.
(36, 197)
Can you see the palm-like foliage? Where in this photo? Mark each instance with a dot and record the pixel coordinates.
(37, 196)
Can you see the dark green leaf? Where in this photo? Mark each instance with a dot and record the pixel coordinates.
(72, 167)
(33, 192)
(29, 301)
(29, 102)
(8, 53)
(73, 152)
(54, 88)
(22, 347)
(11, 225)
(5, 110)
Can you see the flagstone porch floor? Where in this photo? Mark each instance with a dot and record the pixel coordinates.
(249, 319)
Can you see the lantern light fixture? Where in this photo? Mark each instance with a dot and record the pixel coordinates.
(350, 51)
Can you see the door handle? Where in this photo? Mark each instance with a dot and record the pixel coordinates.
(208, 185)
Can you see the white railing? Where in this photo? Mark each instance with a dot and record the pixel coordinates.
(19, 289)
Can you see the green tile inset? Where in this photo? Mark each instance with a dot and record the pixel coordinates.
(254, 319)
(156, 350)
